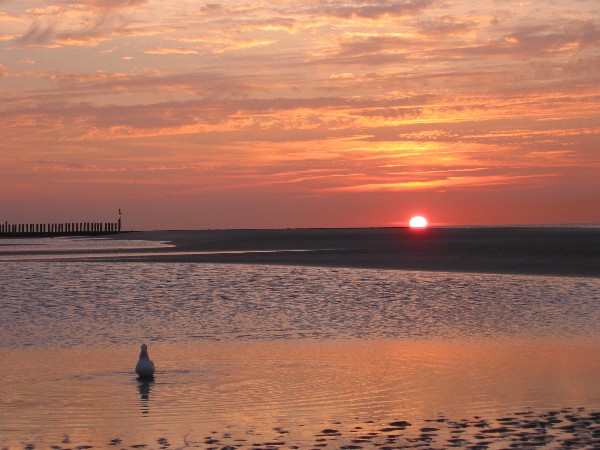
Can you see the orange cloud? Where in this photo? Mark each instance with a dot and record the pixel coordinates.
(172, 51)
(444, 183)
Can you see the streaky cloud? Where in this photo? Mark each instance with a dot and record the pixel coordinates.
(373, 9)
(37, 34)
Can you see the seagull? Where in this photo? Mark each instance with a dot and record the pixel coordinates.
(144, 367)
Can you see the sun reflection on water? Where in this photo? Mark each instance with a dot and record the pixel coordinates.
(248, 350)
(297, 384)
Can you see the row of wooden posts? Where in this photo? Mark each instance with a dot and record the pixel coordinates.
(53, 229)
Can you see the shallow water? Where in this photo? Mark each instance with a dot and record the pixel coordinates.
(57, 244)
(251, 387)
(246, 350)
(63, 304)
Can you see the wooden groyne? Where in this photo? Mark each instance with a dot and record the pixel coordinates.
(9, 230)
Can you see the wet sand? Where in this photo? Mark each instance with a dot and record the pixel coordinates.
(536, 251)
(565, 428)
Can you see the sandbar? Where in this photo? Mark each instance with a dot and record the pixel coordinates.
(517, 250)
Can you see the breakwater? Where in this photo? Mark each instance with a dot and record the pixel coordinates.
(59, 229)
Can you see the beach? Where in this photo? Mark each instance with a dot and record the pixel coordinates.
(525, 250)
(304, 338)
(563, 251)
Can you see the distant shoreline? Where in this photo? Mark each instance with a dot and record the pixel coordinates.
(566, 251)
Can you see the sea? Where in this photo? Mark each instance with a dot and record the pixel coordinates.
(261, 356)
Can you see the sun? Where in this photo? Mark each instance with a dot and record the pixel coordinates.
(417, 222)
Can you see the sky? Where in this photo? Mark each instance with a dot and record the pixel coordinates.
(304, 113)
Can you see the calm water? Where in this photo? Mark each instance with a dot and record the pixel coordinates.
(58, 244)
(248, 351)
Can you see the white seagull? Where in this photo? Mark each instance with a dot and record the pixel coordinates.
(144, 367)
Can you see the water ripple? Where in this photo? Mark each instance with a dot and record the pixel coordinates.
(66, 304)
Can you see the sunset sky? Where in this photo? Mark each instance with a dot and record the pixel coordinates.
(309, 113)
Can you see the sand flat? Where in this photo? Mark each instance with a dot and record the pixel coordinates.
(534, 250)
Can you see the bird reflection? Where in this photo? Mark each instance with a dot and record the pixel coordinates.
(144, 388)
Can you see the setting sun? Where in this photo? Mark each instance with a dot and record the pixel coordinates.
(417, 222)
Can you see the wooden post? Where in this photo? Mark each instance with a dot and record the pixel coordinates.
(67, 228)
